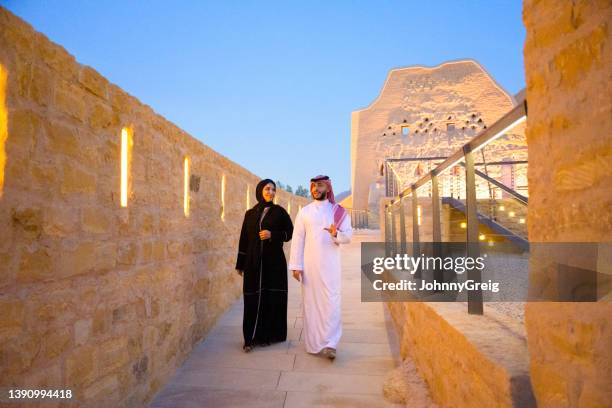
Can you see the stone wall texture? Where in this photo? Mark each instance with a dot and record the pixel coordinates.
(104, 300)
(568, 55)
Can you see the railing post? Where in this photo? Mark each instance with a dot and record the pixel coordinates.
(387, 231)
(387, 192)
(393, 232)
(402, 226)
(416, 247)
(475, 305)
(436, 228)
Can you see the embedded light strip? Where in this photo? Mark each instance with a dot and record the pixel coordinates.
(186, 188)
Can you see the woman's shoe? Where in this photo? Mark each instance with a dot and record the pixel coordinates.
(247, 349)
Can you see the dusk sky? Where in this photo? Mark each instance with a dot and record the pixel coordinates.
(271, 85)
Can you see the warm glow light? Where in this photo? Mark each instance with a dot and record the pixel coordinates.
(481, 237)
(463, 225)
(521, 220)
(3, 125)
(126, 143)
(289, 207)
(419, 213)
(502, 208)
(223, 197)
(491, 243)
(186, 188)
(511, 214)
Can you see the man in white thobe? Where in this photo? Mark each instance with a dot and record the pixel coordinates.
(320, 228)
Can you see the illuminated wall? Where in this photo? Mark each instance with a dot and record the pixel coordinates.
(114, 257)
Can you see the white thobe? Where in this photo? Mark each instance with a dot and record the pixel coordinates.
(315, 252)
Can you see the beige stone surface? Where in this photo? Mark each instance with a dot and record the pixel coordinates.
(568, 54)
(104, 300)
(290, 376)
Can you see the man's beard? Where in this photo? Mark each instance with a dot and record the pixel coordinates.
(322, 197)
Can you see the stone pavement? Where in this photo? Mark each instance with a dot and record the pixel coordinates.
(219, 374)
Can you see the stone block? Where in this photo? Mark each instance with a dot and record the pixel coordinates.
(69, 100)
(94, 82)
(42, 85)
(113, 355)
(80, 366)
(35, 266)
(11, 317)
(77, 259)
(82, 331)
(56, 342)
(60, 221)
(101, 117)
(95, 220)
(23, 128)
(75, 180)
(63, 140)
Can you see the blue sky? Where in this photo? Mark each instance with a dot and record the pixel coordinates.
(271, 85)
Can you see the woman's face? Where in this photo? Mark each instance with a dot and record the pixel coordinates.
(268, 192)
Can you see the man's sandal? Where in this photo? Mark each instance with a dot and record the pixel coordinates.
(329, 353)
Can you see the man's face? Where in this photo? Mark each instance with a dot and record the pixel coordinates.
(319, 190)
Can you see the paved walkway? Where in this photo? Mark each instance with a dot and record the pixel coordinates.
(219, 374)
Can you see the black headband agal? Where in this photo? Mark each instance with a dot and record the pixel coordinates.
(322, 178)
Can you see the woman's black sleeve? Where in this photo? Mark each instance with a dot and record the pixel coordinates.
(243, 245)
(285, 230)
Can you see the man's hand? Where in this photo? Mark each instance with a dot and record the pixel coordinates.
(297, 275)
(264, 234)
(333, 231)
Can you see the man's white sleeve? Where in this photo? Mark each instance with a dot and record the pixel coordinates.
(296, 258)
(345, 231)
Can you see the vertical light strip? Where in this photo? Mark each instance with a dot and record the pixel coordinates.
(223, 197)
(419, 214)
(186, 188)
(248, 198)
(289, 207)
(3, 125)
(124, 167)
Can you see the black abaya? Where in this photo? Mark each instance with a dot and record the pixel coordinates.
(265, 274)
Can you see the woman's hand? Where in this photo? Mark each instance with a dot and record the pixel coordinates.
(240, 272)
(265, 234)
(297, 275)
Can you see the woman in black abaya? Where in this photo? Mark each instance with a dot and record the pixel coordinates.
(261, 261)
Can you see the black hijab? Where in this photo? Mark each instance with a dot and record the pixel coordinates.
(261, 202)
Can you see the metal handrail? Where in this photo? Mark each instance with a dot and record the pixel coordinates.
(519, 197)
(465, 157)
(505, 123)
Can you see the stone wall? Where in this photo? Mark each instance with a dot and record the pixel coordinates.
(104, 300)
(568, 56)
(466, 360)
